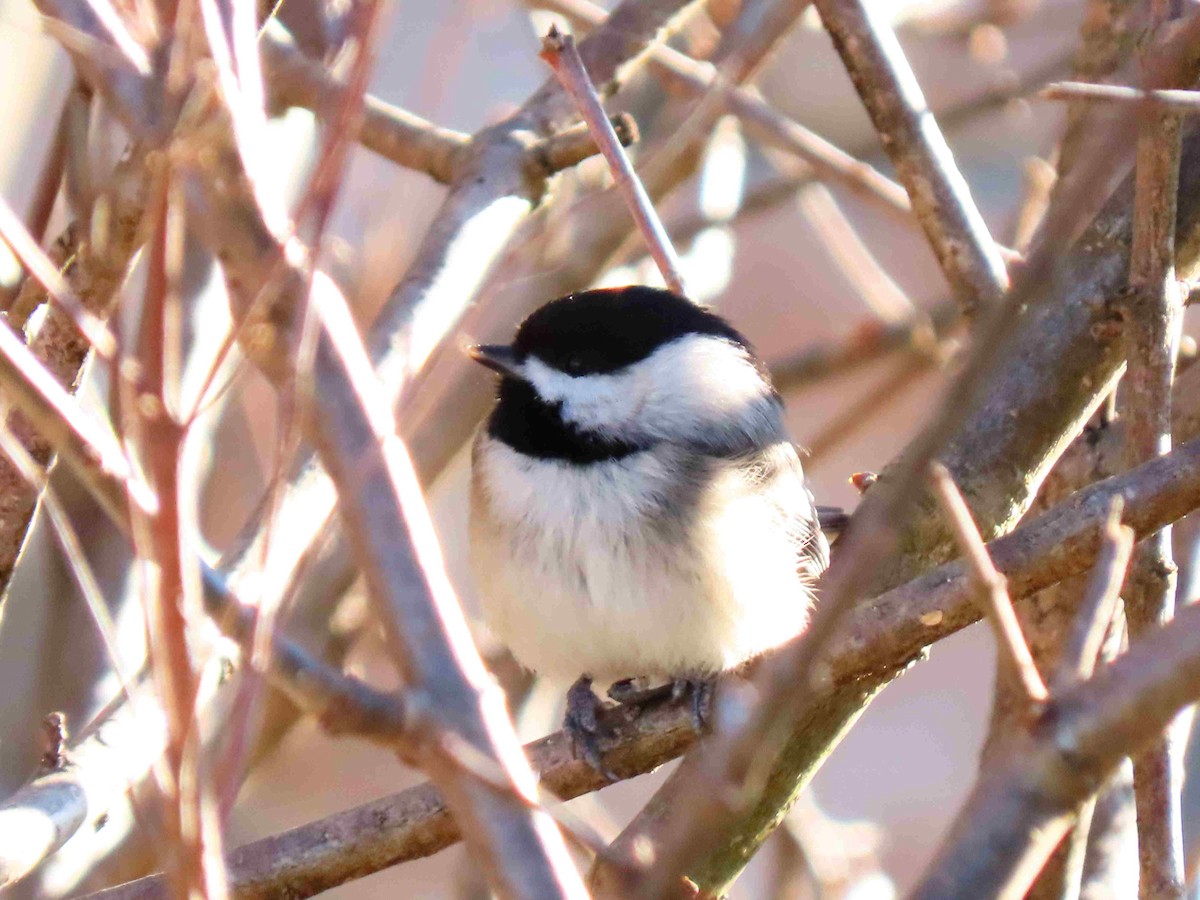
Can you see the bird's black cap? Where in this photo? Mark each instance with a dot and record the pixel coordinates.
(605, 330)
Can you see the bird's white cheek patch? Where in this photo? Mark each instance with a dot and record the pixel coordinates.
(593, 402)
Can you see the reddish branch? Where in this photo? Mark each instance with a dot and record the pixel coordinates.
(1175, 101)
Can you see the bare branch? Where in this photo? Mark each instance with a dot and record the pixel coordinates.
(1025, 800)
(940, 197)
(573, 146)
(1152, 321)
(415, 823)
(1176, 101)
(866, 342)
(1012, 644)
(1098, 604)
(558, 50)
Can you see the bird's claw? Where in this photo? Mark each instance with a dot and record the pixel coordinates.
(582, 725)
(627, 693)
(701, 690)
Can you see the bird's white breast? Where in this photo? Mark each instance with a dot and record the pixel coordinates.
(592, 569)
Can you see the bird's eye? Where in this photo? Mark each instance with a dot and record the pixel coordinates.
(573, 364)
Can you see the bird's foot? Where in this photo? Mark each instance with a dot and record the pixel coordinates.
(702, 691)
(628, 694)
(582, 724)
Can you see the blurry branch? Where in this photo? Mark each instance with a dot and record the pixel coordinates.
(1152, 317)
(887, 633)
(699, 79)
(559, 52)
(400, 136)
(1013, 651)
(865, 343)
(837, 856)
(841, 242)
(1177, 101)
(905, 374)
(294, 79)
(54, 166)
(925, 166)
(1107, 35)
(1026, 798)
(93, 261)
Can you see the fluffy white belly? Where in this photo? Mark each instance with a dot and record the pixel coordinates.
(582, 570)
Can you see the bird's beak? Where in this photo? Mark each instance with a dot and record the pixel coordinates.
(497, 357)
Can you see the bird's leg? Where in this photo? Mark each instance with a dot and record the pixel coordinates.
(627, 693)
(582, 724)
(702, 690)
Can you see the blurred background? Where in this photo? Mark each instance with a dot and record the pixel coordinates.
(780, 261)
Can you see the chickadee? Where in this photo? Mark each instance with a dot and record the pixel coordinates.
(636, 506)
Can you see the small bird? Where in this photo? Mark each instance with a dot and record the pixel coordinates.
(637, 509)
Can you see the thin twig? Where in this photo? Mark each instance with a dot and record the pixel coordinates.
(925, 166)
(1099, 602)
(999, 606)
(1176, 101)
(559, 51)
